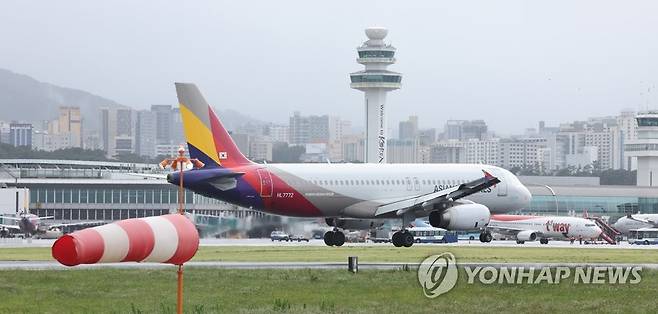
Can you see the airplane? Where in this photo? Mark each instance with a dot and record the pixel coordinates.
(637, 221)
(349, 196)
(530, 228)
(30, 225)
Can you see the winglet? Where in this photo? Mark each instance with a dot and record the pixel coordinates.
(487, 175)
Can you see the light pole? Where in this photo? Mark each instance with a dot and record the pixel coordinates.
(554, 197)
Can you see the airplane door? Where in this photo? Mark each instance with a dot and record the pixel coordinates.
(266, 185)
(409, 186)
(416, 184)
(501, 188)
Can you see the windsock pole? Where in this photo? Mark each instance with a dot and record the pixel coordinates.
(179, 296)
(181, 162)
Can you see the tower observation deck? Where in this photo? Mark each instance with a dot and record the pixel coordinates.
(375, 81)
(645, 148)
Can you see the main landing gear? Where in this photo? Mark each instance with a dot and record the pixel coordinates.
(334, 238)
(485, 237)
(403, 238)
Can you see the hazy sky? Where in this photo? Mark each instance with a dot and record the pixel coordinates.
(511, 63)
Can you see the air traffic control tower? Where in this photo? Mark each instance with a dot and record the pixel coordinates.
(375, 81)
(645, 148)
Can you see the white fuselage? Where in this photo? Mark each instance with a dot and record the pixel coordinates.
(356, 190)
(556, 227)
(638, 221)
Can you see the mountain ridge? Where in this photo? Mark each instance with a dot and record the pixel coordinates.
(24, 98)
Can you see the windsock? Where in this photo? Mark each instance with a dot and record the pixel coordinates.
(171, 239)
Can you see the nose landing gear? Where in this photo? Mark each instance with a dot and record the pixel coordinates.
(486, 237)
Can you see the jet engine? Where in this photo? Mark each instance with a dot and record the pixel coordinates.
(526, 235)
(355, 224)
(461, 217)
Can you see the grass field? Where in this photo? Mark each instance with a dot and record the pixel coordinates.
(300, 291)
(386, 254)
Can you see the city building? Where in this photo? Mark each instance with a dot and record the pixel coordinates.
(168, 150)
(146, 139)
(315, 152)
(20, 134)
(279, 133)
(260, 149)
(408, 130)
(403, 151)
(465, 130)
(118, 130)
(70, 125)
(480, 151)
(353, 148)
(522, 153)
(375, 81)
(4, 132)
(299, 131)
(157, 130)
(427, 137)
(447, 153)
(163, 116)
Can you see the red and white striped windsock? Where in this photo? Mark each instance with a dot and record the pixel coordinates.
(171, 239)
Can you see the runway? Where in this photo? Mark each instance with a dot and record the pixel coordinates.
(52, 265)
(21, 243)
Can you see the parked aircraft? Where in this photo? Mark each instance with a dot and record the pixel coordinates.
(637, 221)
(30, 225)
(530, 228)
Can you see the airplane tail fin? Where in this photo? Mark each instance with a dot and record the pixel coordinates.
(207, 139)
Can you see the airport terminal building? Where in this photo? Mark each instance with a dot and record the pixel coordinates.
(611, 201)
(91, 190)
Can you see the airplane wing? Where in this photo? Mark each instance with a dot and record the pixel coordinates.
(443, 196)
(149, 175)
(83, 223)
(511, 231)
(15, 227)
(10, 218)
